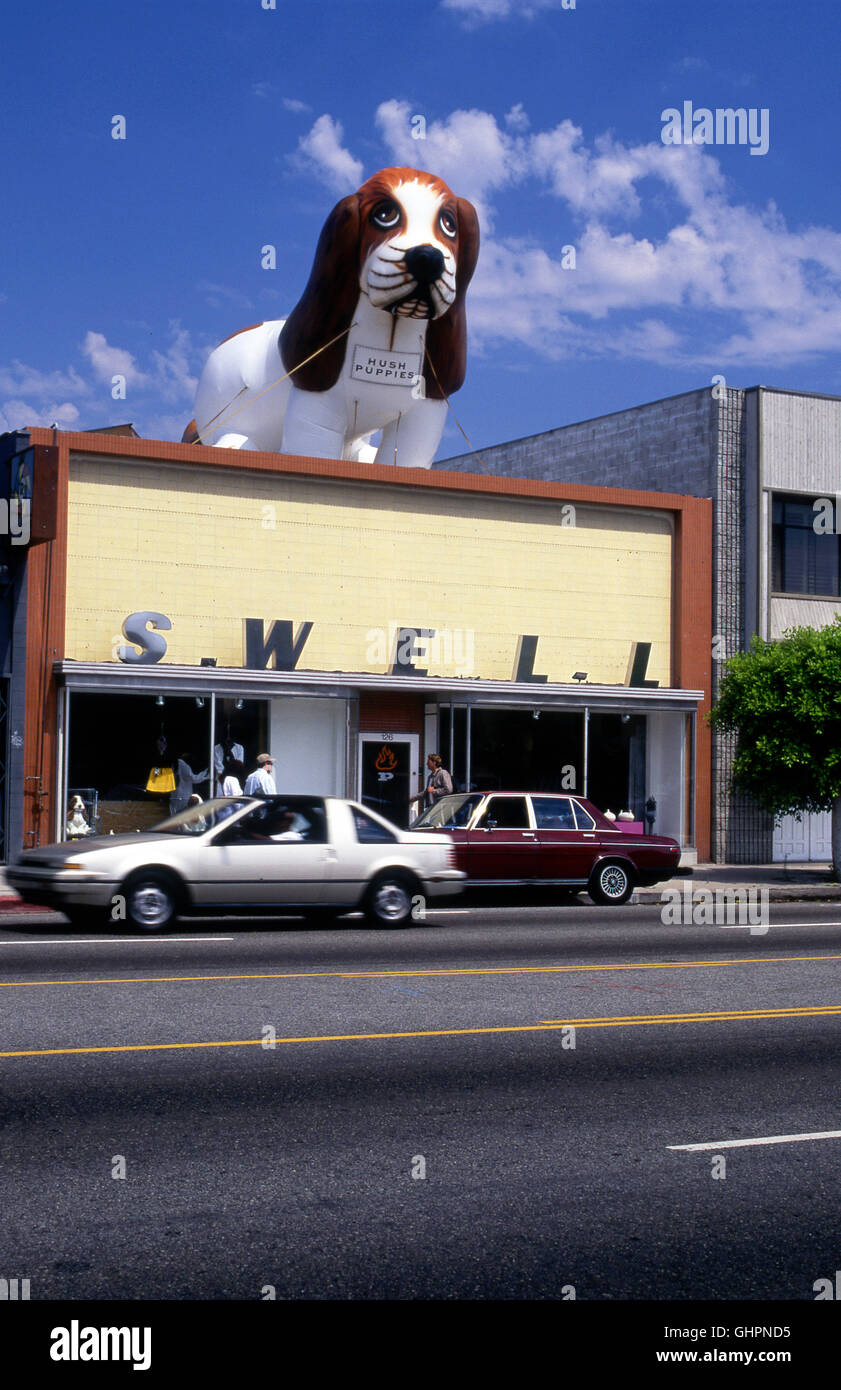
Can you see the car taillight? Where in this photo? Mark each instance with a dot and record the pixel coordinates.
(452, 861)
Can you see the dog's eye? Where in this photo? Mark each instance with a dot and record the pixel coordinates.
(448, 223)
(386, 214)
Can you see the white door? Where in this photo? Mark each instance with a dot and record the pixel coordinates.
(806, 840)
(820, 839)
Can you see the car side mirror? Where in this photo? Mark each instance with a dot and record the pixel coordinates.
(491, 825)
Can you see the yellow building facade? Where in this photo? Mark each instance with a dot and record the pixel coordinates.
(363, 564)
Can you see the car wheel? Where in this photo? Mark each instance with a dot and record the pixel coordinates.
(151, 902)
(610, 884)
(388, 902)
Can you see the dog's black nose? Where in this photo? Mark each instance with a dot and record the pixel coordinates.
(424, 264)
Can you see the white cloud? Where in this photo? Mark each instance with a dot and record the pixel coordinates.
(468, 150)
(29, 381)
(18, 414)
(109, 361)
(720, 282)
(29, 397)
(292, 104)
(480, 11)
(517, 295)
(604, 180)
(517, 119)
(321, 150)
(173, 379)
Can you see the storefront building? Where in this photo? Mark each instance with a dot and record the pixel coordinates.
(349, 619)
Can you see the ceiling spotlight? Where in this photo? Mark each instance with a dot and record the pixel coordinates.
(199, 702)
(159, 700)
(579, 676)
(238, 704)
(625, 718)
(535, 714)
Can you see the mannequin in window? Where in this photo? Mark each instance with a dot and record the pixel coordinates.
(185, 781)
(227, 752)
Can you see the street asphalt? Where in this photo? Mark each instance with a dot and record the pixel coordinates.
(488, 1104)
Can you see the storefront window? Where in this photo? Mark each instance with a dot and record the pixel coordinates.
(512, 750)
(133, 760)
(454, 753)
(616, 763)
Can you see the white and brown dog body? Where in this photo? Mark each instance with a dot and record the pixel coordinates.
(376, 342)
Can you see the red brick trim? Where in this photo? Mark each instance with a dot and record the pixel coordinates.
(165, 451)
(45, 630)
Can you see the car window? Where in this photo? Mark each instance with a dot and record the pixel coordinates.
(370, 831)
(553, 813)
(584, 819)
(448, 811)
(293, 821)
(509, 812)
(197, 819)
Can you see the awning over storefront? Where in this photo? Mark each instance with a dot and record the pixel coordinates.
(226, 681)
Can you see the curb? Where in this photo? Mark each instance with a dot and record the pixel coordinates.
(777, 893)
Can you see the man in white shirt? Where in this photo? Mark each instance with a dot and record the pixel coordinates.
(261, 782)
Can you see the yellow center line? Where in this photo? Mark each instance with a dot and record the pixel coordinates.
(424, 974)
(632, 1020)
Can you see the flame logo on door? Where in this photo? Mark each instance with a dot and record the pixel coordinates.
(386, 760)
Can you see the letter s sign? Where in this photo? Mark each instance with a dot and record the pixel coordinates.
(136, 629)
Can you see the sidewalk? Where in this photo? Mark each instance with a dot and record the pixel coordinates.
(785, 882)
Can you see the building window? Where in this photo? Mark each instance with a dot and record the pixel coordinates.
(803, 560)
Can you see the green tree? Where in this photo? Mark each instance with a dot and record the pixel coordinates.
(783, 699)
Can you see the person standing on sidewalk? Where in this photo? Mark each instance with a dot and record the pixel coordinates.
(439, 783)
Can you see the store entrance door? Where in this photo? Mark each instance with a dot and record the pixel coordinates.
(388, 773)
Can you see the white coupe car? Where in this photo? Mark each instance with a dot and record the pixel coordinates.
(317, 856)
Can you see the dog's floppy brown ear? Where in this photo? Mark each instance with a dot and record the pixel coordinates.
(446, 338)
(327, 304)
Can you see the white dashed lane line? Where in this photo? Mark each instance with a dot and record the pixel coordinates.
(116, 941)
(768, 1139)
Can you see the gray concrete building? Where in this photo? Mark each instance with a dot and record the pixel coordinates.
(771, 461)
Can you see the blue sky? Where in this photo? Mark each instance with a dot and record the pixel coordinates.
(245, 124)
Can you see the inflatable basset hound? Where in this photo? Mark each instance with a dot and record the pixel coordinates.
(376, 342)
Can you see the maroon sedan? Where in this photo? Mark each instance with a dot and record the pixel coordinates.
(518, 839)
